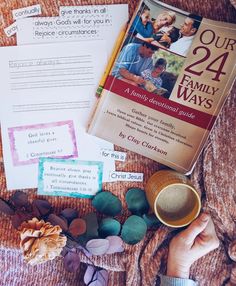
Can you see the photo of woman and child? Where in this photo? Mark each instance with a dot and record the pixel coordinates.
(161, 30)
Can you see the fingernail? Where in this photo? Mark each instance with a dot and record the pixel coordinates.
(205, 217)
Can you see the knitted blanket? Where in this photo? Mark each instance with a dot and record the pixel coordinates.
(214, 176)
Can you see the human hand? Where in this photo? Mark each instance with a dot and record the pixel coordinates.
(149, 40)
(139, 80)
(191, 244)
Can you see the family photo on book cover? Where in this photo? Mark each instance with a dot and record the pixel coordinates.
(154, 51)
(167, 84)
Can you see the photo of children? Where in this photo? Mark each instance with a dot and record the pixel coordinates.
(166, 29)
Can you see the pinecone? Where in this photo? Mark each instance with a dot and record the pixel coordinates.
(40, 241)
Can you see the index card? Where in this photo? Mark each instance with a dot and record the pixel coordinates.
(28, 143)
(71, 178)
(105, 25)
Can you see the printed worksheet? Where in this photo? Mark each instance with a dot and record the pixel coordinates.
(76, 23)
(47, 94)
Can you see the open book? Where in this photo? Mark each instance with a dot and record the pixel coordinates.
(167, 85)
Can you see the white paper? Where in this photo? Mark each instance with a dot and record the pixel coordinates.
(126, 176)
(101, 12)
(11, 30)
(83, 27)
(43, 85)
(114, 155)
(26, 12)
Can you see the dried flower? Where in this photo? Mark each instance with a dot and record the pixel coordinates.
(40, 241)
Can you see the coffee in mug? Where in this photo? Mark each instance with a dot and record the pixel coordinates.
(173, 198)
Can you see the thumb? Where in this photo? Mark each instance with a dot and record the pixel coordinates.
(195, 228)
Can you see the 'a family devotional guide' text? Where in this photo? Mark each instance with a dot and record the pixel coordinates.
(167, 85)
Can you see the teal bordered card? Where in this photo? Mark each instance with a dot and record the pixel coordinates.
(70, 178)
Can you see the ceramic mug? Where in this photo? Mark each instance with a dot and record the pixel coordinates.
(173, 198)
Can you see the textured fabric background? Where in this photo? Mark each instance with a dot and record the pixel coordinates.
(233, 2)
(214, 176)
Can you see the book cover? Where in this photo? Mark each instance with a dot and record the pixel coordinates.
(167, 85)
